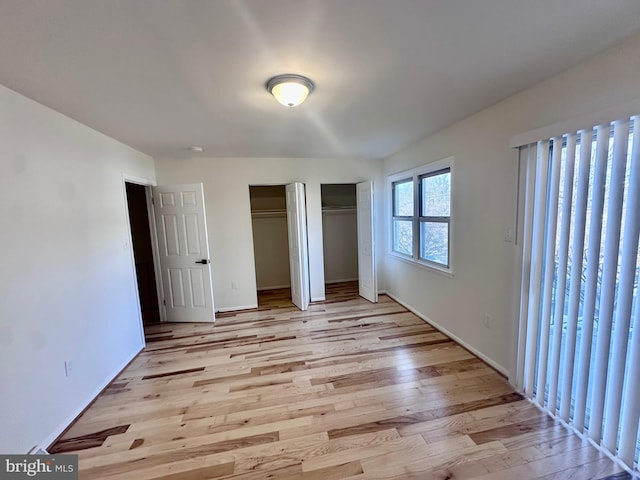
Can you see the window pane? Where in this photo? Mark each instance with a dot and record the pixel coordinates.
(436, 195)
(434, 242)
(402, 236)
(403, 198)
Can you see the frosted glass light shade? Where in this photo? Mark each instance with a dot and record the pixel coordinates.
(290, 94)
(290, 90)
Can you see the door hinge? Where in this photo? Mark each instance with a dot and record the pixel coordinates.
(153, 201)
(164, 302)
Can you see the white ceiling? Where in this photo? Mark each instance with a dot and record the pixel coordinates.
(161, 75)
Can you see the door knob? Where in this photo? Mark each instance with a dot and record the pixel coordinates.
(204, 261)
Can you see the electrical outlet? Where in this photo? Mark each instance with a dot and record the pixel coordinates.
(487, 320)
(68, 368)
(508, 234)
(234, 285)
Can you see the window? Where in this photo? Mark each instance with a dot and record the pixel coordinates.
(421, 215)
(403, 216)
(435, 216)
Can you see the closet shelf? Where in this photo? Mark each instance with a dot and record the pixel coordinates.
(268, 213)
(338, 210)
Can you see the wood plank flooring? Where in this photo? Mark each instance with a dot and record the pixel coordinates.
(346, 390)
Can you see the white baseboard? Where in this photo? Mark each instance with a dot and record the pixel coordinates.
(453, 337)
(240, 307)
(38, 450)
(318, 299)
(53, 436)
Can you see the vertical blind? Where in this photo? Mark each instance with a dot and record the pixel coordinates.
(579, 355)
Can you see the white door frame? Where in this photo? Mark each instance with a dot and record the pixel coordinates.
(156, 252)
(145, 182)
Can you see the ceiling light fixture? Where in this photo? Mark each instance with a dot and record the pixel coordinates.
(290, 90)
(196, 149)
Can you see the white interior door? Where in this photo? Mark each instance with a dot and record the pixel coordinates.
(183, 252)
(367, 278)
(298, 251)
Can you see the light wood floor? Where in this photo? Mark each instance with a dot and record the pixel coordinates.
(348, 389)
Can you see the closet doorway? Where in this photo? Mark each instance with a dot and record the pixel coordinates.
(339, 232)
(270, 241)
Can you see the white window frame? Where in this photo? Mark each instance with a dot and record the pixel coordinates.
(415, 174)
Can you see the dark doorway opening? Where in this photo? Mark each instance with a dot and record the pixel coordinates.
(143, 253)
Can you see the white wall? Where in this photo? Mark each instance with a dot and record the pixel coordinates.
(67, 281)
(340, 228)
(484, 196)
(226, 191)
(271, 250)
